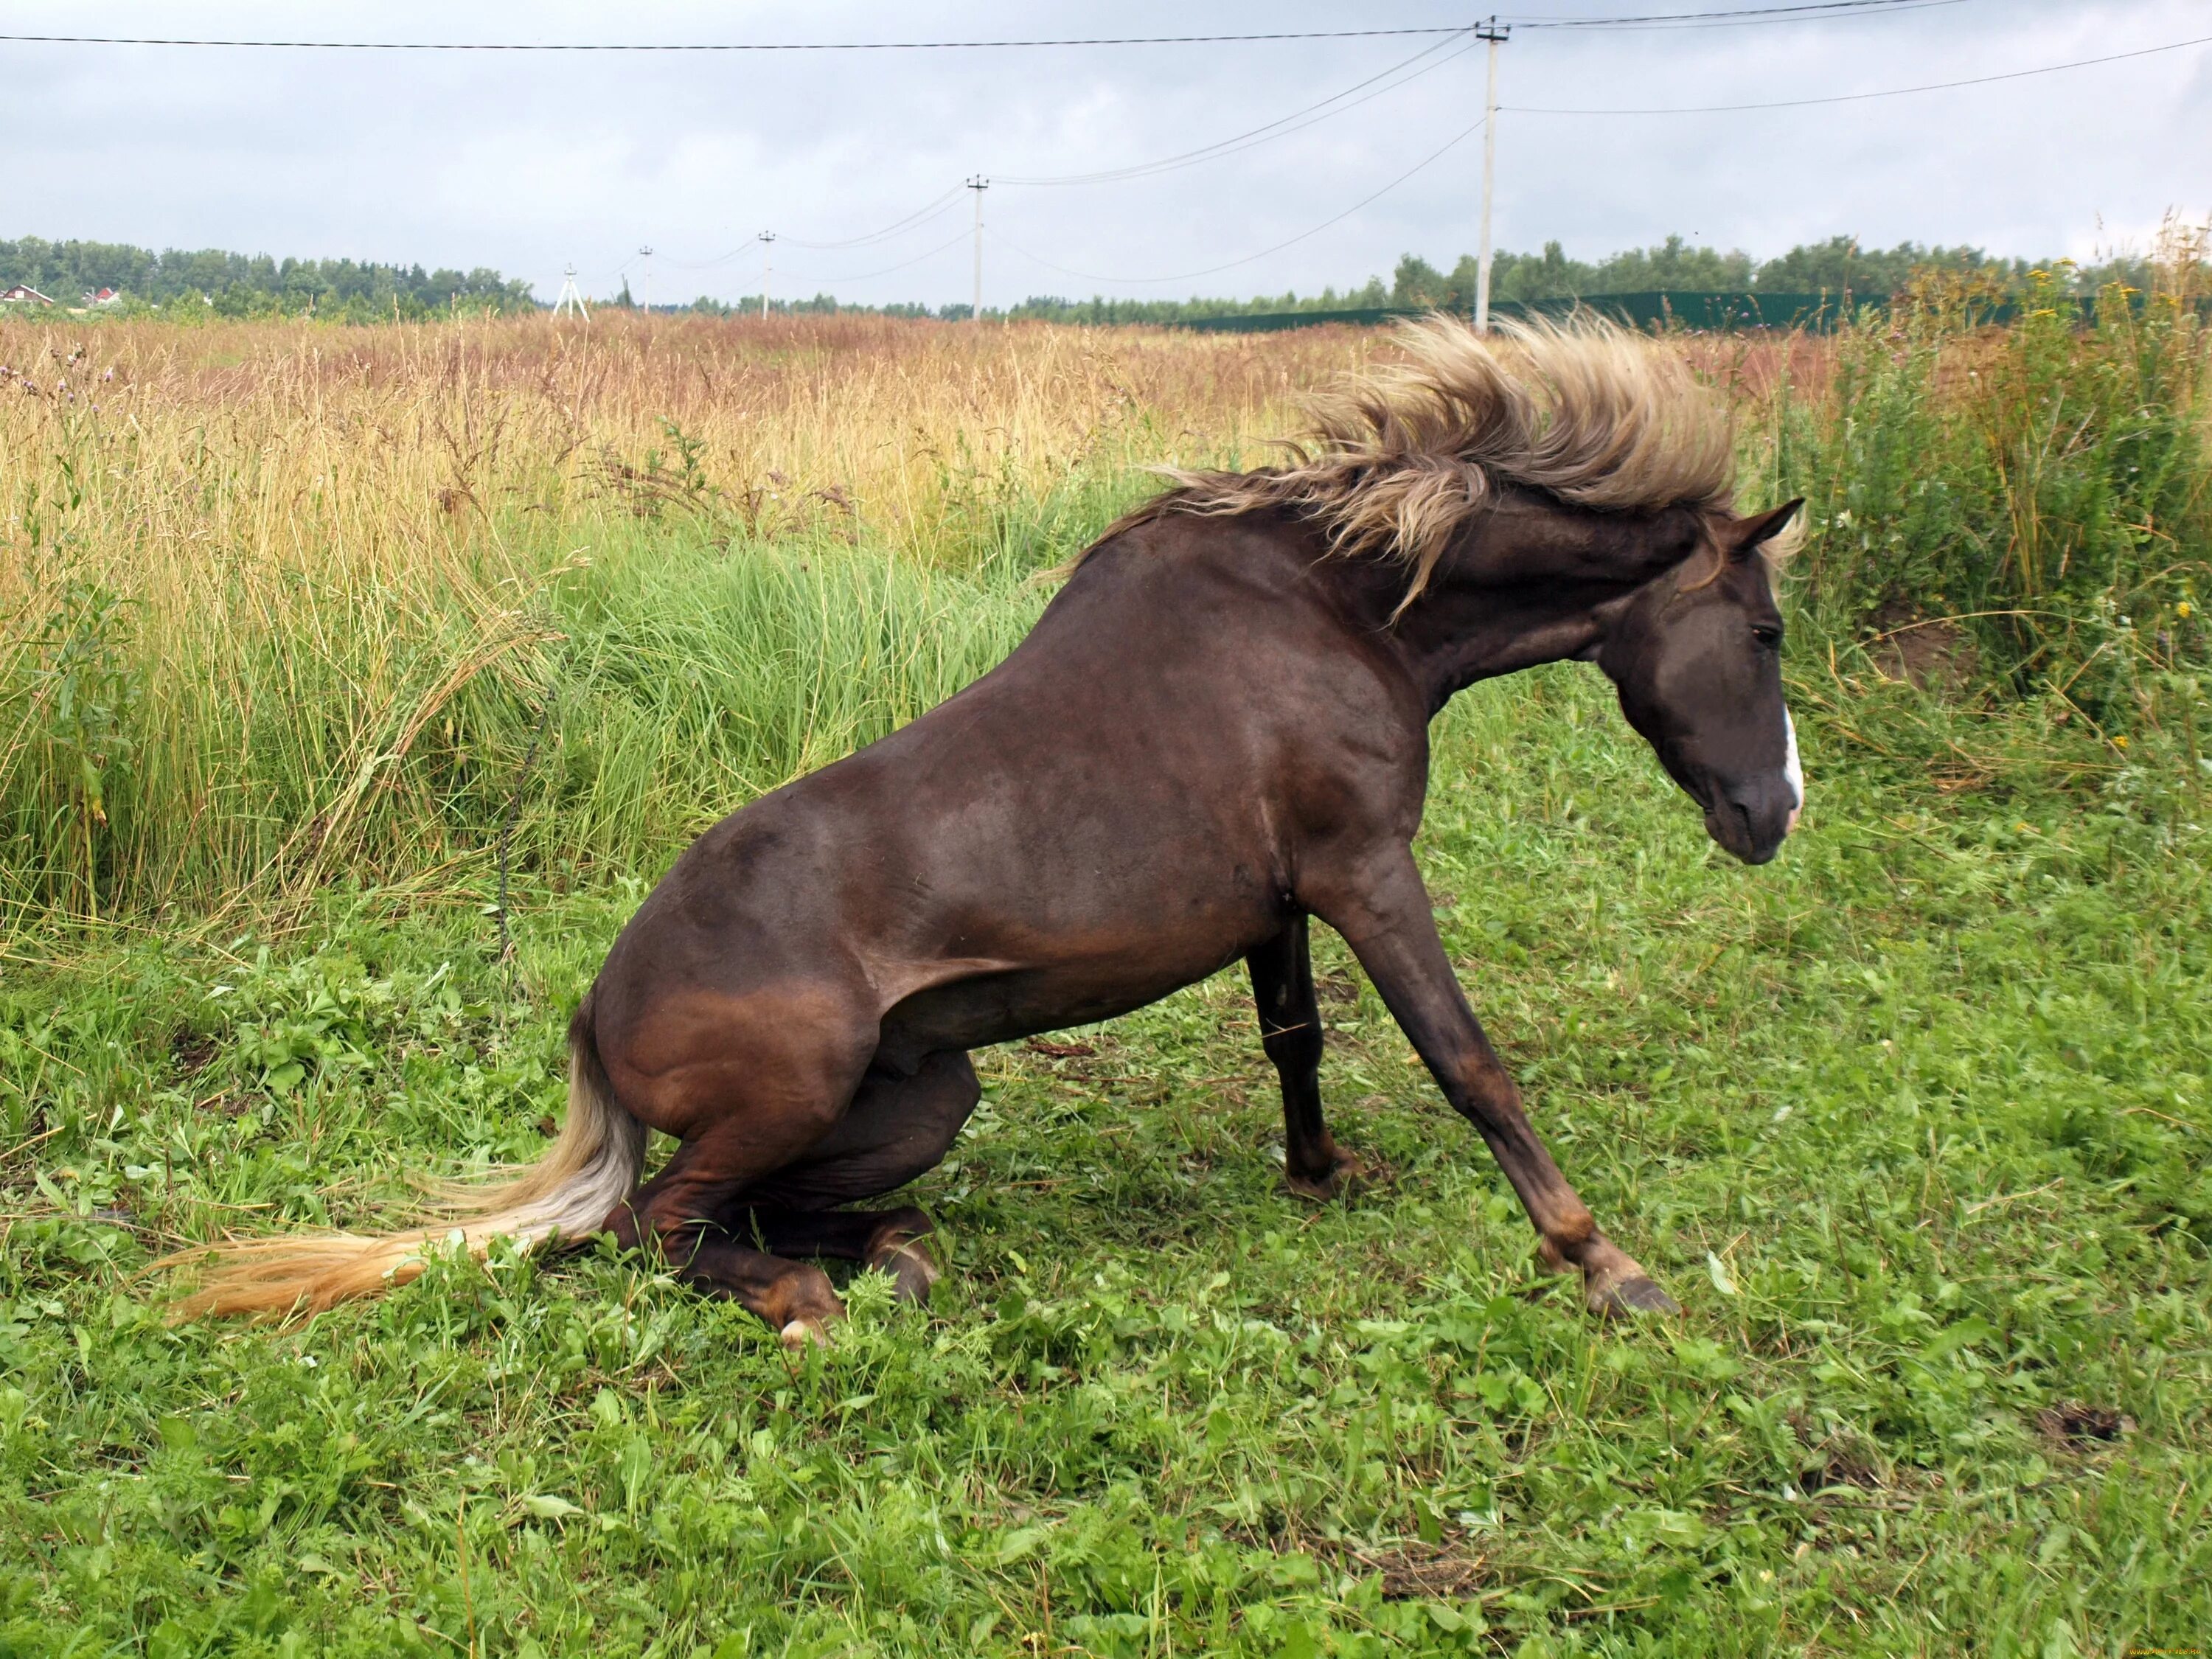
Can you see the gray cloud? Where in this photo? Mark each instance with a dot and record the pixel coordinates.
(529, 161)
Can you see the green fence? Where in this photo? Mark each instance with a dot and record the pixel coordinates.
(1656, 309)
(1818, 313)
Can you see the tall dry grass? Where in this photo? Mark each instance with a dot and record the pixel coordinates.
(282, 602)
(270, 443)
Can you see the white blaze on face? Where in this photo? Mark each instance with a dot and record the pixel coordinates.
(1792, 770)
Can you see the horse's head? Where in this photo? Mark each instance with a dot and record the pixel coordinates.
(1696, 654)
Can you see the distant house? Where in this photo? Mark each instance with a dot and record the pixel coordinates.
(23, 295)
(105, 296)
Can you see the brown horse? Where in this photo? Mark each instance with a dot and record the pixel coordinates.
(1219, 728)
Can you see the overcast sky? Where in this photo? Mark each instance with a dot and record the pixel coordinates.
(528, 161)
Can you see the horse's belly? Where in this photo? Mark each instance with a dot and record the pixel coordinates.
(1011, 1003)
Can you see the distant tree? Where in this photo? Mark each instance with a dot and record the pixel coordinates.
(1417, 283)
(1523, 277)
(1840, 264)
(1673, 264)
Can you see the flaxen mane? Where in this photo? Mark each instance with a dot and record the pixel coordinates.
(1395, 461)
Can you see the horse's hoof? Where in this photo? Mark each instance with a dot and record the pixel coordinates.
(912, 1271)
(1631, 1297)
(1344, 1177)
(801, 1335)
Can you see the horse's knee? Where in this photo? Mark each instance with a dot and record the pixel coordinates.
(1486, 1096)
(1294, 1048)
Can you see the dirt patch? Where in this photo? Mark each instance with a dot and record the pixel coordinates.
(1336, 987)
(1930, 653)
(1059, 1050)
(1428, 1571)
(192, 1052)
(1370, 1173)
(1845, 1466)
(1843, 1457)
(2073, 1424)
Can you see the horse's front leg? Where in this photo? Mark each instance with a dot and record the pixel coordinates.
(1289, 1030)
(1384, 912)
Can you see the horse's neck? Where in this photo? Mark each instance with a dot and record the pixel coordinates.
(1521, 587)
(1454, 637)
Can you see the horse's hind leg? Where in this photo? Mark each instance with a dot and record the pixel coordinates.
(896, 1128)
(671, 1216)
(1289, 1030)
(751, 1086)
(887, 1239)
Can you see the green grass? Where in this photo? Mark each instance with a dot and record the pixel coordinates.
(368, 735)
(1913, 1123)
(2045, 486)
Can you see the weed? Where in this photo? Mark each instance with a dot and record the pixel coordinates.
(2043, 484)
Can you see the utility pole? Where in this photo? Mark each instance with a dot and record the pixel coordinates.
(978, 183)
(768, 247)
(1496, 34)
(570, 300)
(645, 277)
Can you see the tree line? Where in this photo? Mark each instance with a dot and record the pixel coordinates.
(350, 290)
(245, 285)
(1838, 266)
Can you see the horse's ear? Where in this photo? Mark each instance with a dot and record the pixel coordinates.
(1745, 537)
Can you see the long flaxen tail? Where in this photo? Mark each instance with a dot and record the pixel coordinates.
(589, 1169)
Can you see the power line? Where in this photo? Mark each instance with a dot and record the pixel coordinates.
(914, 221)
(1818, 11)
(571, 302)
(1183, 276)
(1281, 127)
(921, 216)
(863, 276)
(709, 45)
(1886, 92)
(1461, 138)
(1806, 12)
(933, 210)
(1391, 79)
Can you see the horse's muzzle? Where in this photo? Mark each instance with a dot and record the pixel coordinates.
(1753, 819)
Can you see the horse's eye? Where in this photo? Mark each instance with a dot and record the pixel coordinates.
(1767, 635)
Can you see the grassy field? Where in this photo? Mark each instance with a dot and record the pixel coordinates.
(1913, 1122)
